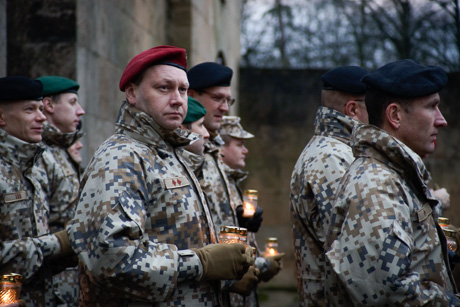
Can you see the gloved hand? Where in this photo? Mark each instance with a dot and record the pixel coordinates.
(250, 223)
(66, 249)
(273, 269)
(224, 261)
(247, 283)
(453, 259)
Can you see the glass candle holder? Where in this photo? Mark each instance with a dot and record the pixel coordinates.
(229, 234)
(450, 238)
(271, 247)
(10, 288)
(249, 203)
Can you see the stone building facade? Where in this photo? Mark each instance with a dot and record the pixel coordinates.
(92, 41)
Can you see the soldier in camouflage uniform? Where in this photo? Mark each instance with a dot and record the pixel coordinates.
(384, 245)
(233, 154)
(27, 246)
(142, 229)
(63, 112)
(194, 157)
(317, 174)
(210, 85)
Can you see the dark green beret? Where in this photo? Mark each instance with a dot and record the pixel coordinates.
(53, 85)
(18, 88)
(406, 78)
(209, 74)
(195, 111)
(345, 79)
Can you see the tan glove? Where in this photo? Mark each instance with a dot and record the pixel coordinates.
(274, 268)
(247, 283)
(66, 249)
(223, 261)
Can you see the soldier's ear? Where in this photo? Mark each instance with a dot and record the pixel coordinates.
(351, 109)
(48, 105)
(2, 121)
(393, 115)
(130, 91)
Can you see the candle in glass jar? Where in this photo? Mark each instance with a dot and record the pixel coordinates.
(10, 288)
(229, 234)
(271, 247)
(249, 203)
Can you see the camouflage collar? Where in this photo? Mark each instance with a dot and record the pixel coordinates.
(215, 144)
(332, 123)
(142, 127)
(18, 152)
(370, 141)
(194, 161)
(236, 174)
(53, 136)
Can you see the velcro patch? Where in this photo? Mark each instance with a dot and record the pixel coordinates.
(17, 196)
(178, 182)
(424, 213)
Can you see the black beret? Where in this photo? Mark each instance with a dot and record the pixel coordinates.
(345, 79)
(53, 85)
(406, 78)
(209, 74)
(17, 88)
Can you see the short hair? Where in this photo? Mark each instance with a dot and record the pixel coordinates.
(337, 99)
(226, 138)
(377, 102)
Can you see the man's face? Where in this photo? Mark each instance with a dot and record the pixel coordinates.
(419, 126)
(162, 94)
(234, 153)
(23, 119)
(65, 113)
(74, 151)
(212, 100)
(199, 128)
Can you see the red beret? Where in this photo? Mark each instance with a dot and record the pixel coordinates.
(167, 55)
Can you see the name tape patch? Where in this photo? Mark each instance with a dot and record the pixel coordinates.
(17, 196)
(177, 182)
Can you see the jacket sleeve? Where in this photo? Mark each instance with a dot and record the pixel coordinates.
(27, 255)
(377, 248)
(108, 232)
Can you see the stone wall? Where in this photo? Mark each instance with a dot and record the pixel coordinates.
(279, 107)
(92, 41)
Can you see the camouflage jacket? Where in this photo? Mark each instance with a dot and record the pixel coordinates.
(63, 175)
(235, 176)
(385, 247)
(216, 187)
(140, 211)
(26, 245)
(314, 181)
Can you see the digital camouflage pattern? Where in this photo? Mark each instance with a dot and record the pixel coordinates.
(26, 245)
(385, 246)
(216, 187)
(314, 182)
(235, 176)
(62, 189)
(198, 164)
(140, 212)
(64, 175)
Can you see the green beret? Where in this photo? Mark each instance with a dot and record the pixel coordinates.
(53, 85)
(195, 111)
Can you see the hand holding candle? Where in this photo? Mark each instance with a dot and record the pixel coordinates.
(249, 203)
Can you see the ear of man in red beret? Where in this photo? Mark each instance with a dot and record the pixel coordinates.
(166, 55)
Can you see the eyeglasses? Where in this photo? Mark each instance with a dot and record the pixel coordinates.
(220, 98)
